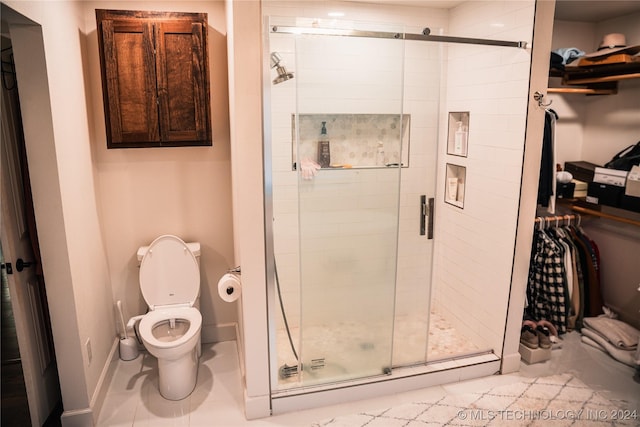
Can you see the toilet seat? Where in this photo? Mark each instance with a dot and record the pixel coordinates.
(169, 273)
(152, 318)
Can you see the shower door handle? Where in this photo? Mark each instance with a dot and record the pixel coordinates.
(426, 216)
(430, 219)
(423, 215)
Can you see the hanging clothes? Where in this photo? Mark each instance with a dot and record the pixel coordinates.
(547, 282)
(564, 282)
(546, 180)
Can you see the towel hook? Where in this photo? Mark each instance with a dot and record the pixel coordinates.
(539, 97)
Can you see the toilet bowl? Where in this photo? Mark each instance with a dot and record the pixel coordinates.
(170, 331)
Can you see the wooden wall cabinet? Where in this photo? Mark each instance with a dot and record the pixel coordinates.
(155, 78)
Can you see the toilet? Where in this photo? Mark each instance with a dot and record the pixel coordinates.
(170, 331)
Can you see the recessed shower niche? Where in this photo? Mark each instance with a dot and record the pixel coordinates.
(458, 136)
(355, 140)
(455, 183)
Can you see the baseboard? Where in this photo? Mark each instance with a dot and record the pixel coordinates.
(510, 363)
(241, 359)
(219, 332)
(77, 418)
(256, 407)
(89, 416)
(109, 369)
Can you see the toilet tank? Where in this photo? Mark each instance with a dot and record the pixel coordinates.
(194, 247)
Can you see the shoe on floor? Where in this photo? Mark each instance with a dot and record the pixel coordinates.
(544, 337)
(528, 337)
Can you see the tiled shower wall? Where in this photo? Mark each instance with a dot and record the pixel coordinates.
(475, 245)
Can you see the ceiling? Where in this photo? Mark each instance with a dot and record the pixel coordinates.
(437, 4)
(566, 10)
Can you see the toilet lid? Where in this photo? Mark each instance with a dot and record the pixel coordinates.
(169, 273)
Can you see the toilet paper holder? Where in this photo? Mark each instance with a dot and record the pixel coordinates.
(229, 286)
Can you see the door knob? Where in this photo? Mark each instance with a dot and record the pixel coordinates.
(21, 265)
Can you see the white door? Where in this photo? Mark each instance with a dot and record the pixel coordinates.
(25, 286)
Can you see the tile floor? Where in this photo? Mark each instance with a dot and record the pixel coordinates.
(133, 398)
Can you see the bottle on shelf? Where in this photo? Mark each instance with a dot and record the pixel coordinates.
(460, 139)
(324, 147)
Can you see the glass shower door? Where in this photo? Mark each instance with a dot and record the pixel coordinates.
(352, 88)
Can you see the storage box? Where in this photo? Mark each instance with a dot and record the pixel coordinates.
(534, 355)
(630, 203)
(565, 190)
(604, 194)
(610, 176)
(633, 182)
(580, 189)
(581, 170)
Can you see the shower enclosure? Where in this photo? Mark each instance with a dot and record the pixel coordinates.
(356, 130)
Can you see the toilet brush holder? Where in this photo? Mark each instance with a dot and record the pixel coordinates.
(128, 348)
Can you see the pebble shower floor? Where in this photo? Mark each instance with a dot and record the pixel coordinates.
(444, 341)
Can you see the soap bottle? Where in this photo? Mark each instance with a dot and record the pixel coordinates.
(380, 154)
(324, 149)
(460, 139)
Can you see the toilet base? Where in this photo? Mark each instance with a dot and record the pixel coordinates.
(177, 378)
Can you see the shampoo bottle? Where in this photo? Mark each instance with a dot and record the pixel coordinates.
(324, 149)
(460, 139)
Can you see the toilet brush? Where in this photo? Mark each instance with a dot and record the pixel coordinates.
(128, 345)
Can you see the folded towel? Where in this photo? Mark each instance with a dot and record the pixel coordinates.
(585, 339)
(624, 356)
(617, 332)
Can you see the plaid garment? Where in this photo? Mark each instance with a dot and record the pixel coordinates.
(547, 282)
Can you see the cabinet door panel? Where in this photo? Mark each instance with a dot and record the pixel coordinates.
(182, 88)
(155, 78)
(131, 107)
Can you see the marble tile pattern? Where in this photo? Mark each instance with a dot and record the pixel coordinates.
(354, 138)
(555, 400)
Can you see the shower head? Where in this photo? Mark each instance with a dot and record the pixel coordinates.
(283, 74)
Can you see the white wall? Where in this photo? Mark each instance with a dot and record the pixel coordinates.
(475, 245)
(245, 88)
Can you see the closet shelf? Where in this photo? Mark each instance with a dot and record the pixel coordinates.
(597, 78)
